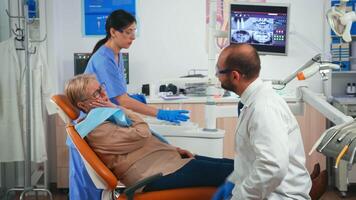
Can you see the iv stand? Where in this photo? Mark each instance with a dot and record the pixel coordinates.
(27, 180)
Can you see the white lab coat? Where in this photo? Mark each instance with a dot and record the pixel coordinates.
(270, 158)
(13, 102)
(11, 146)
(40, 91)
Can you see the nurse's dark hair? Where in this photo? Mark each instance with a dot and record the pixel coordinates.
(244, 59)
(118, 20)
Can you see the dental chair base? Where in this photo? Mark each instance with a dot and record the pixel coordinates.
(339, 142)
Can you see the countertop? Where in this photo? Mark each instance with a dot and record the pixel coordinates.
(234, 99)
(346, 100)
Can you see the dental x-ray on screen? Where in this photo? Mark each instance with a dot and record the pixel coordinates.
(263, 25)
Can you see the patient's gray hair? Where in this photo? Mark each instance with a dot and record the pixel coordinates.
(76, 88)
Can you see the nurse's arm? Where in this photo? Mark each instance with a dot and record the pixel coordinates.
(132, 104)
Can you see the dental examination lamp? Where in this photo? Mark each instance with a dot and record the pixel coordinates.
(332, 142)
(341, 21)
(310, 68)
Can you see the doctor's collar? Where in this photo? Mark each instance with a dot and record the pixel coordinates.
(245, 96)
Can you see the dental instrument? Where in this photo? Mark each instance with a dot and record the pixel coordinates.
(343, 152)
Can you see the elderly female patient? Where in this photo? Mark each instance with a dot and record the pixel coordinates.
(132, 153)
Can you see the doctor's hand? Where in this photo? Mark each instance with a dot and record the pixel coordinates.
(174, 116)
(224, 191)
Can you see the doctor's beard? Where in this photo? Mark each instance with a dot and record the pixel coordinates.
(227, 85)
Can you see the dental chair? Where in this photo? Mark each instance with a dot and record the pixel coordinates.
(104, 179)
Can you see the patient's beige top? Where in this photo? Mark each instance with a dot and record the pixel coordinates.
(132, 153)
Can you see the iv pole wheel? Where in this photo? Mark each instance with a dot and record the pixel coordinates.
(36, 190)
(343, 194)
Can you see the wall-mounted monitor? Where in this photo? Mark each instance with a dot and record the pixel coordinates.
(81, 60)
(263, 25)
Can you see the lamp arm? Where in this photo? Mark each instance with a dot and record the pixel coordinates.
(313, 60)
(325, 108)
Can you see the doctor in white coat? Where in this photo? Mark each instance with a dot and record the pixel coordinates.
(269, 152)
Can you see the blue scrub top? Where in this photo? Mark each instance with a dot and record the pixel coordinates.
(103, 65)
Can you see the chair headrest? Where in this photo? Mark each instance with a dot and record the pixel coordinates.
(64, 104)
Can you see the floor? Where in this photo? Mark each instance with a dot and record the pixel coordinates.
(331, 194)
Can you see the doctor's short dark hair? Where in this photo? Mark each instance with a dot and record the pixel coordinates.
(244, 58)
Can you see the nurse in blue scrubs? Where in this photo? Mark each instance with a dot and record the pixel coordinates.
(107, 65)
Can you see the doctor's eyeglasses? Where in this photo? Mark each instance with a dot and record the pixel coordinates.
(219, 72)
(225, 71)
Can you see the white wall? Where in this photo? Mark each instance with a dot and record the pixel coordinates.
(172, 40)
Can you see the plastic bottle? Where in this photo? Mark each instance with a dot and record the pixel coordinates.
(349, 89)
(32, 8)
(353, 89)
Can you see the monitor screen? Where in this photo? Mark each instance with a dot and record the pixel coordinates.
(81, 61)
(263, 25)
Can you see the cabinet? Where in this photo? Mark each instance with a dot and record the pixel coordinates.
(197, 115)
(312, 125)
(62, 154)
(338, 82)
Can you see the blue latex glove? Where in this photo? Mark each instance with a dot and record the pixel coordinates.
(224, 191)
(174, 116)
(139, 97)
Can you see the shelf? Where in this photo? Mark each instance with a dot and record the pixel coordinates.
(344, 72)
(335, 36)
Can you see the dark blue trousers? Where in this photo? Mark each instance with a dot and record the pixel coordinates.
(201, 171)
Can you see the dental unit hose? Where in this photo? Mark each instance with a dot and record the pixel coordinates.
(343, 152)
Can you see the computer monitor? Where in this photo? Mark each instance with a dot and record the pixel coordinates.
(263, 25)
(81, 60)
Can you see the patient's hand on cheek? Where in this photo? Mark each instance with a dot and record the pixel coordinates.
(99, 102)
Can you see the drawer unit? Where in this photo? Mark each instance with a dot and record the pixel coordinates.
(347, 105)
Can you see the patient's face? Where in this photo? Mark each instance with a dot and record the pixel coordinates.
(96, 92)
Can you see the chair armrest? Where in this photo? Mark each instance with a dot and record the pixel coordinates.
(130, 191)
